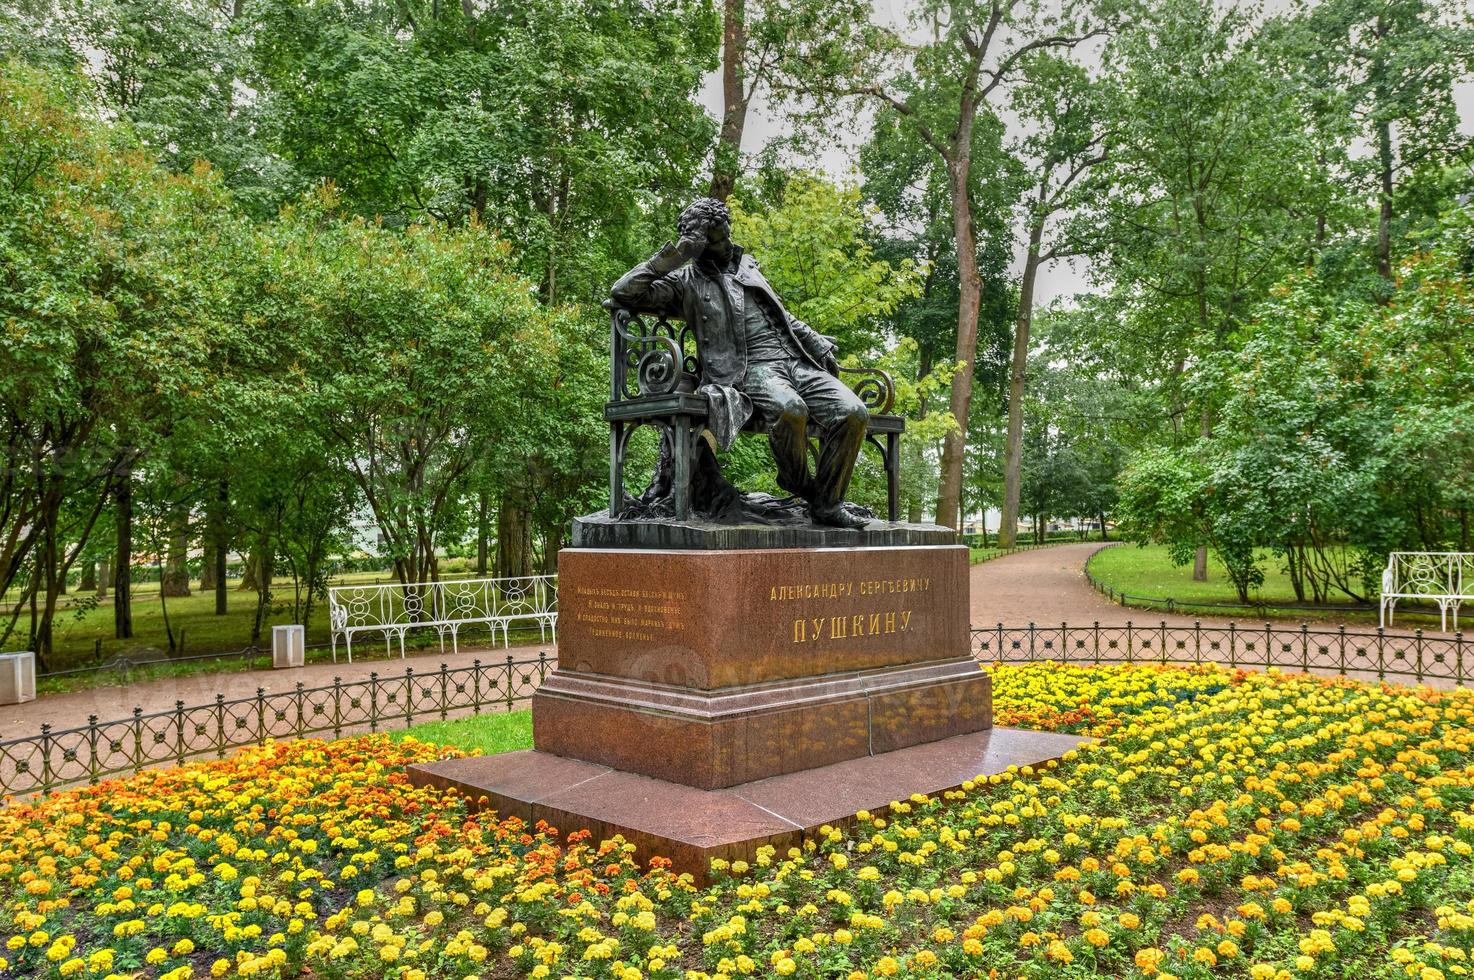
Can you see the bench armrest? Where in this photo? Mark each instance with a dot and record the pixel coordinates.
(875, 388)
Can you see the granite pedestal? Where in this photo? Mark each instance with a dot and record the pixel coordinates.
(709, 699)
(691, 826)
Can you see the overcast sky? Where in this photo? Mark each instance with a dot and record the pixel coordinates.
(1057, 279)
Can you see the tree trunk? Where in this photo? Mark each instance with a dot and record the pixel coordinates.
(1384, 152)
(207, 566)
(174, 577)
(122, 574)
(1103, 535)
(220, 534)
(1384, 213)
(1013, 452)
(88, 582)
(482, 534)
(104, 576)
(264, 555)
(949, 493)
(513, 540)
(554, 541)
(248, 574)
(728, 158)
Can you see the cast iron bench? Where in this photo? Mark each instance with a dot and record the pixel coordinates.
(393, 610)
(656, 370)
(1443, 577)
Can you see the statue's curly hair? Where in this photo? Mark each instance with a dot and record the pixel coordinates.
(706, 210)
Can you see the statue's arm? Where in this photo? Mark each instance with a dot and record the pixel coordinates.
(651, 285)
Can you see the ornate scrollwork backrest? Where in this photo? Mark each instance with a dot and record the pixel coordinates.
(1431, 573)
(652, 354)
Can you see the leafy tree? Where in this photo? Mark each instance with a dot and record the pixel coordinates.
(1207, 167)
(943, 92)
(814, 247)
(1394, 65)
(409, 346)
(112, 283)
(562, 127)
(1064, 143)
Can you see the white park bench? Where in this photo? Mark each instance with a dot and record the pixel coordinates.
(446, 607)
(1443, 577)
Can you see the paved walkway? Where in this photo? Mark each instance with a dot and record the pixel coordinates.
(71, 710)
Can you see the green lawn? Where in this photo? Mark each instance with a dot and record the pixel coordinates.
(487, 734)
(1148, 573)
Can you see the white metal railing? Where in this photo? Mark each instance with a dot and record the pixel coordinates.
(394, 610)
(1443, 577)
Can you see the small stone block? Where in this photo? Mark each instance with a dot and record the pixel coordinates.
(17, 677)
(692, 826)
(288, 646)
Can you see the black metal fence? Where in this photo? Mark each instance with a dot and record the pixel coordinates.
(1374, 654)
(56, 758)
(61, 757)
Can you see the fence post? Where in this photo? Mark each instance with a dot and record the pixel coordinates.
(444, 691)
(1458, 659)
(137, 739)
(301, 711)
(1031, 640)
(542, 666)
(179, 732)
(1418, 642)
(1164, 643)
(373, 700)
(999, 651)
(47, 774)
(1304, 648)
(1343, 649)
(337, 707)
(1268, 644)
(1381, 655)
(93, 770)
(260, 715)
(510, 699)
(220, 734)
(476, 686)
(1130, 640)
(409, 696)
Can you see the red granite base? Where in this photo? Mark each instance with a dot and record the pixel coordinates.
(692, 826)
(712, 739)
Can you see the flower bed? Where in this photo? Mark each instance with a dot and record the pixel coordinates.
(1227, 824)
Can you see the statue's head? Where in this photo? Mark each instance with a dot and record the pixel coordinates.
(711, 215)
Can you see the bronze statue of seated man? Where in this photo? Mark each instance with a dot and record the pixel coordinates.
(770, 366)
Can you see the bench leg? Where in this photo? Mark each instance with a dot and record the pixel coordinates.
(616, 468)
(335, 647)
(348, 641)
(893, 476)
(681, 466)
